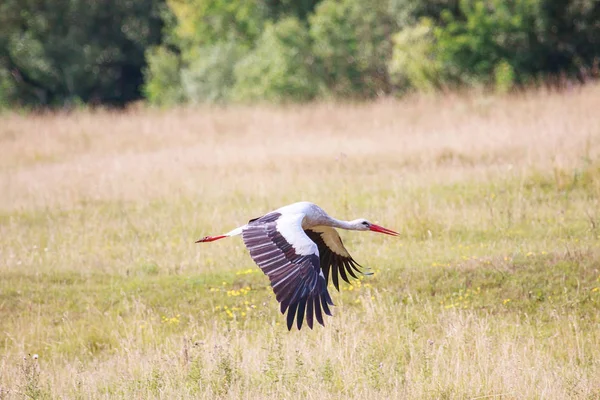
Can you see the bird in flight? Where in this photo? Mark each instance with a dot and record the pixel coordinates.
(297, 247)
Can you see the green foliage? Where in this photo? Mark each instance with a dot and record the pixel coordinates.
(500, 44)
(210, 77)
(300, 9)
(504, 77)
(409, 12)
(568, 37)
(280, 67)
(188, 50)
(352, 45)
(75, 50)
(7, 88)
(413, 63)
(163, 83)
(359, 49)
(206, 22)
(212, 36)
(492, 32)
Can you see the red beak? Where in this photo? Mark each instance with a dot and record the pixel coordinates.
(381, 229)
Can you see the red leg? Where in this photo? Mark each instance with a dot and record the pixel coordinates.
(211, 238)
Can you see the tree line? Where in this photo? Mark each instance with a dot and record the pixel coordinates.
(69, 52)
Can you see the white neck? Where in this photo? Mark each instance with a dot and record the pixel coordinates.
(337, 223)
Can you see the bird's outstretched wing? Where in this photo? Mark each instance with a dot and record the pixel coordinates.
(333, 255)
(290, 259)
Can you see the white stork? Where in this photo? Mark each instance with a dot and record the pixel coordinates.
(296, 247)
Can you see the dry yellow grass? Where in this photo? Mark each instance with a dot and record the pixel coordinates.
(492, 290)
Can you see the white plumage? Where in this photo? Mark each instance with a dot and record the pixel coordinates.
(297, 247)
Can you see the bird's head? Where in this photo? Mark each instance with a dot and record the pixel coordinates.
(362, 224)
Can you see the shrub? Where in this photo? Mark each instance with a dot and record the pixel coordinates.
(413, 63)
(352, 43)
(66, 52)
(162, 76)
(407, 13)
(206, 22)
(280, 67)
(492, 32)
(568, 38)
(210, 77)
(7, 88)
(504, 77)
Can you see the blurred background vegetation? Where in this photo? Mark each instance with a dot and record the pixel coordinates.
(70, 52)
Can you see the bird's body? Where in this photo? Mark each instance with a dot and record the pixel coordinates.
(297, 247)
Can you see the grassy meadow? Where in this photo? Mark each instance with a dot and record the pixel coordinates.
(492, 290)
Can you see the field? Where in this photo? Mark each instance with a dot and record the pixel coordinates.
(492, 289)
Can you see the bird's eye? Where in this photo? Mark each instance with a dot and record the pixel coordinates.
(365, 223)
